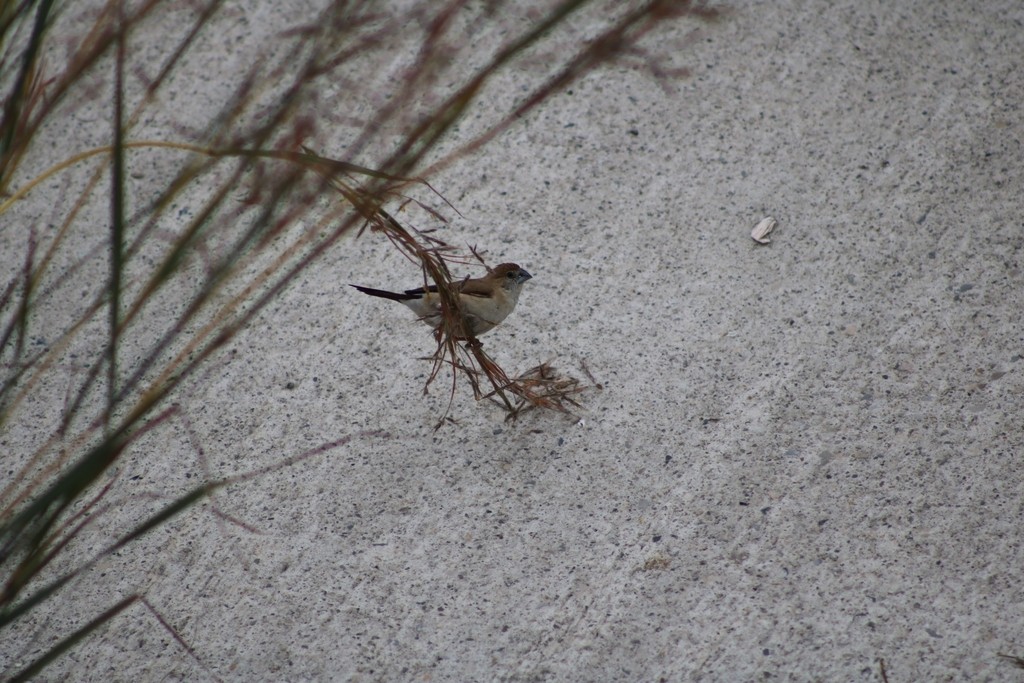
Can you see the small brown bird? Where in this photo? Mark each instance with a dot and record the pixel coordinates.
(485, 301)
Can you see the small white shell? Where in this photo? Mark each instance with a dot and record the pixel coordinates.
(761, 230)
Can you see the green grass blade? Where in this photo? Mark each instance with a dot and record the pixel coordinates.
(174, 508)
(63, 646)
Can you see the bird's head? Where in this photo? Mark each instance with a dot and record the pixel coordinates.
(510, 275)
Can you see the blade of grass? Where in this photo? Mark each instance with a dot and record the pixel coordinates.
(116, 215)
(67, 643)
(26, 530)
(15, 100)
(10, 614)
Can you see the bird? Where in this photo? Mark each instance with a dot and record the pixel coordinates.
(485, 301)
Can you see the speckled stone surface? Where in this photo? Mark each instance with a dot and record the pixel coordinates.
(806, 456)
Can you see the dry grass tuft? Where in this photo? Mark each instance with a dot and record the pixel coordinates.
(142, 253)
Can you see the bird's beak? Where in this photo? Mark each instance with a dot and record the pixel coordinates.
(523, 276)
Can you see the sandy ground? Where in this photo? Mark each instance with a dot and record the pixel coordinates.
(806, 456)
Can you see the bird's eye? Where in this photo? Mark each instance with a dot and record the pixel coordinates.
(511, 275)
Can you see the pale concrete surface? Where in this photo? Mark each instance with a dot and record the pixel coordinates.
(806, 456)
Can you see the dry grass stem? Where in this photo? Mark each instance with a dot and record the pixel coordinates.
(145, 250)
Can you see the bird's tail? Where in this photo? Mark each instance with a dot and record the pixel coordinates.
(384, 294)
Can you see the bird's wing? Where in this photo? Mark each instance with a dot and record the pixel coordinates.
(479, 287)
